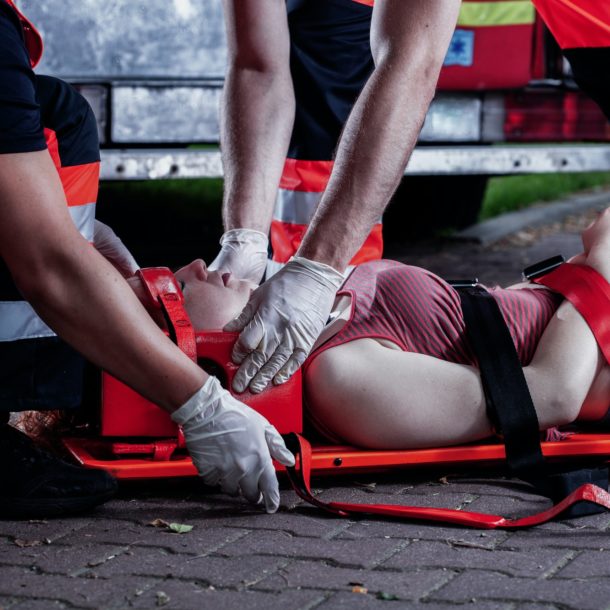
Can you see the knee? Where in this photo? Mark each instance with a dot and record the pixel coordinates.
(563, 407)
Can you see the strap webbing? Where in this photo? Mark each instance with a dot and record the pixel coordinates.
(509, 402)
(300, 474)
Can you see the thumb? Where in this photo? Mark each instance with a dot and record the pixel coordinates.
(277, 447)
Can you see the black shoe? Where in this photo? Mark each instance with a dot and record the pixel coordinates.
(36, 484)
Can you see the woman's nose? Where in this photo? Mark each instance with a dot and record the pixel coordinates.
(200, 269)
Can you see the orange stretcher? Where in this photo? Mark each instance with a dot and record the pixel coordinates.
(137, 440)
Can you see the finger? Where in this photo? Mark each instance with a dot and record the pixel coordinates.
(249, 339)
(248, 369)
(269, 487)
(291, 367)
(242, 319)
(211, 477)
(277, 447)
(269, 369)
(230, 483)
(249, 489)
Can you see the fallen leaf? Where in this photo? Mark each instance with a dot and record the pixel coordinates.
(27, 543)
(180, 528)
(386, 597)
(358, 589)
(467, 545)
(443, 481)
(162, 598)
(160, 523)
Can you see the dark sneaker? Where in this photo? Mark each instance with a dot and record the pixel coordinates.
(36, 484)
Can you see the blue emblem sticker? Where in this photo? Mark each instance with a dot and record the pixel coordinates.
(461, 49)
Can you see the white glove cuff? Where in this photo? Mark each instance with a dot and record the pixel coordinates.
(245, 236)
(201, 405)
(323, 270)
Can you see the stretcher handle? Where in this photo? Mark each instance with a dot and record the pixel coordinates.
(300, 474)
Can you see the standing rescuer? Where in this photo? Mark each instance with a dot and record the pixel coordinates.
(363, 75)
(53, 281)
(343, 87)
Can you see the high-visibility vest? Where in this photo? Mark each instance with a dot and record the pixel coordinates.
(33, 39)
(73, 147)
(577, 24)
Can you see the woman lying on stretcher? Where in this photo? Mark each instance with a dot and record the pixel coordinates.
(394, 369)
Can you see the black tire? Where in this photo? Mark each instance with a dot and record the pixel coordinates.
(423, 205)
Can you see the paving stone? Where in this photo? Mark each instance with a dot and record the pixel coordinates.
(216, 571)
(203, 538)
(362, 553)
(588, 564)
(79, 592)
(591, 594)
(7, 602)
(317, 575)
(458, 554)
(357, 601)
(61, 559)
(296, 522)
(41, 604)
(436, 497)
(418, 531)
(564, 538)
(186, 596)
(508, 506)
(51, 529)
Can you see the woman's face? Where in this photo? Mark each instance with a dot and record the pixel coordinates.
(212, 299)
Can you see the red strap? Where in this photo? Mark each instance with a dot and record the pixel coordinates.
(165, 294)
(300, 478)
(589, 292)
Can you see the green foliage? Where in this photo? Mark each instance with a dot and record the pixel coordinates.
(509, 193)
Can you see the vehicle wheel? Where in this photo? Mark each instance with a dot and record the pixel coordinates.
(425, 204)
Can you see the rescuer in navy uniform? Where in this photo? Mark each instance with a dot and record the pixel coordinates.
(53, 281)
(347, 83)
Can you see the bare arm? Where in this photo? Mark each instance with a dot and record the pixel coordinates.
(409, 39)
(77, 292)
(258, 110)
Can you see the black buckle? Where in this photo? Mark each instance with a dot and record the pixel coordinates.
(543, 267)
(463, 283)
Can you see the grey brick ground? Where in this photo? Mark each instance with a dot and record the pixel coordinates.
(236, 557)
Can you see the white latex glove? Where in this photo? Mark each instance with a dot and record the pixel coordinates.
(109, 245)
(243, 253)
(232, 445)
(281, 322)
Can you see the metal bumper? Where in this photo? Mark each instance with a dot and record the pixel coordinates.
(160, 164)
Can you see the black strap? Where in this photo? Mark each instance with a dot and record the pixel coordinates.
(509, 403)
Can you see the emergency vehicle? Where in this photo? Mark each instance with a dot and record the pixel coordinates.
(153, 73)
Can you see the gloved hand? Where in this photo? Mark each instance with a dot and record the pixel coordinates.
(109, 245)
(243, 253)
(231, 444)
(281, 322)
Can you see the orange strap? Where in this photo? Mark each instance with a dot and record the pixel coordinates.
(300, 478)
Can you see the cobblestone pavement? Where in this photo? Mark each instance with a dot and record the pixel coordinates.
(235, 557)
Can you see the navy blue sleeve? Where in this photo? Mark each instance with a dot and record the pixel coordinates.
(20, 120)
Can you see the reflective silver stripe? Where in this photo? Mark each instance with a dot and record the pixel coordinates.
(295, 207)
(19, 321)
(83, 217)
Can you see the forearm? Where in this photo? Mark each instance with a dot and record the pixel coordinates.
(369, 163)
(86, 302)
(409, 42)
(258, 111)
(77, 292)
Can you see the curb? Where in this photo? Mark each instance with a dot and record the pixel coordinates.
(492, 230)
